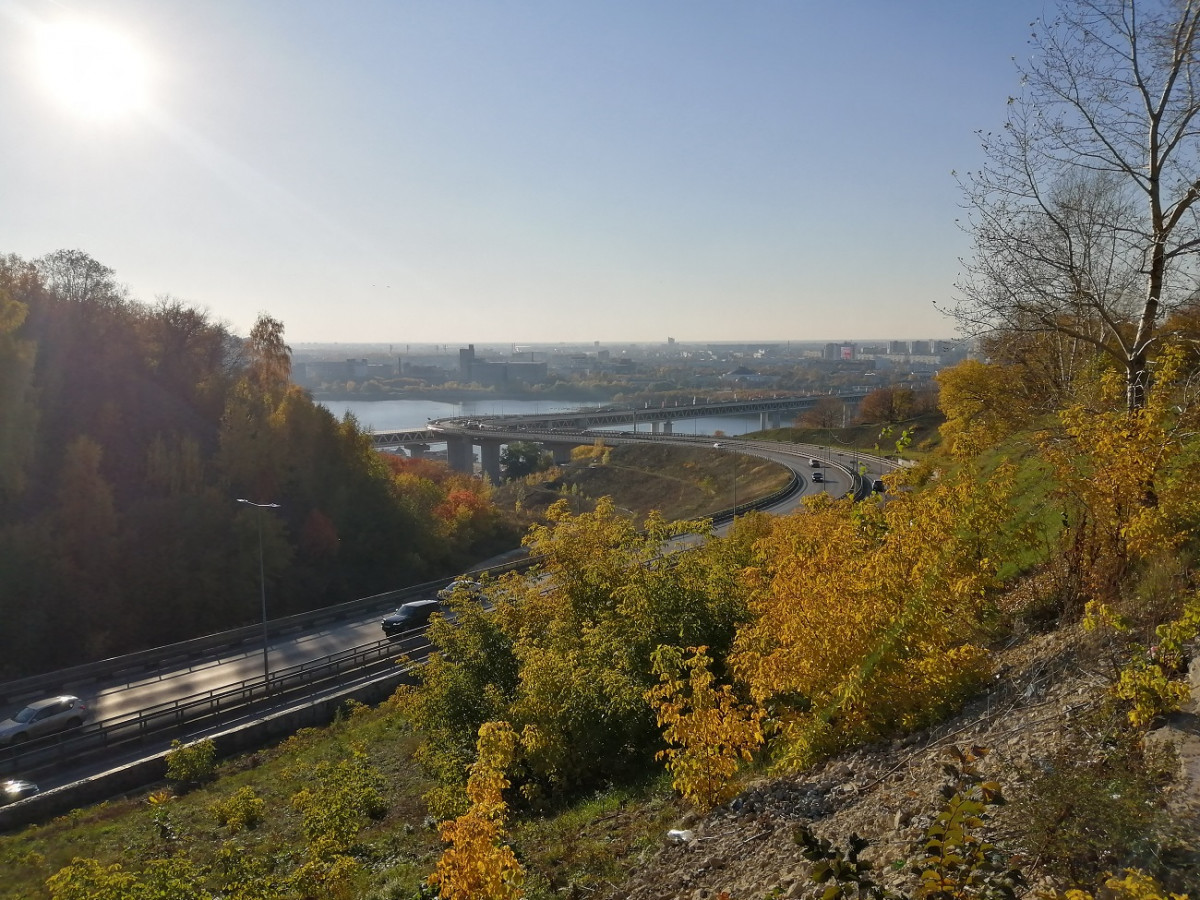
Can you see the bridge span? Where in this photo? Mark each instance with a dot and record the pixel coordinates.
(560, 432)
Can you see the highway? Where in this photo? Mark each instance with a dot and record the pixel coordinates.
(127, 693)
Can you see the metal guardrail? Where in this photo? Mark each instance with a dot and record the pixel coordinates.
(65, 680)
(36, 758)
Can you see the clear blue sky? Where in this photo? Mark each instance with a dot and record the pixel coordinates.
(567, 170)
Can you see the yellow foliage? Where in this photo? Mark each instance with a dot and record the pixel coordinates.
(1128, 477)
(597, 451)
(476, 865)
(982, 403)
(712, 730)
(868, 614)
(1133, 885)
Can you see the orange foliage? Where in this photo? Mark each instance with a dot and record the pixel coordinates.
(427, 469)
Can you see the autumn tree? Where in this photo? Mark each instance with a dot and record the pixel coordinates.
(868, 618)
(567, 652)
(707, 730)
(268, 358)
(828, 412)
(1083, 215)
(982, 403)
(1126, 481)
(887, 404)
(477, 865)
(18, 413)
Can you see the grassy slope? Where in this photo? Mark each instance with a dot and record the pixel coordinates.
(923, 431)
(679, 482)
(598, 839)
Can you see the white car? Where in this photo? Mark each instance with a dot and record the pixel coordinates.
(473, 589)
(43, 718)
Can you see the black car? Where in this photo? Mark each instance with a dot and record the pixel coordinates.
(409, 616)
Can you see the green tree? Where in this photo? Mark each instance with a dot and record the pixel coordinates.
(522, 458)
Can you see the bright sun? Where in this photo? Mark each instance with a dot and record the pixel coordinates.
(93, 71)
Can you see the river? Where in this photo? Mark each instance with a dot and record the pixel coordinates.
(399, 415)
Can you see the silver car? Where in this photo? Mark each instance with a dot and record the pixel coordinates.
(43, 718)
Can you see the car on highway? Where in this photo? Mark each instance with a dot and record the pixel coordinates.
(42, 718)
(415, 614)
(878, 486)
(15, 789)
(473, 588)
(817, 477)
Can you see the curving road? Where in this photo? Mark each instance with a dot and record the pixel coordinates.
(126, 694)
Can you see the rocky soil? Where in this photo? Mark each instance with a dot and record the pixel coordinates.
(889, 794)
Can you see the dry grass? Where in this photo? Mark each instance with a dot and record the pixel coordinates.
(679, 482)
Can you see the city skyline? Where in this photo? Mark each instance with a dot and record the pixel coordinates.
(532, 173)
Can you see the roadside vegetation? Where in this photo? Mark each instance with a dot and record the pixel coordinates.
(552, 739)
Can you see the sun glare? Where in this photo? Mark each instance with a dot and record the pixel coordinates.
(93, 71)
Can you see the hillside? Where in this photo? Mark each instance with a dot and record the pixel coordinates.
(679, 482)
(1042, 725)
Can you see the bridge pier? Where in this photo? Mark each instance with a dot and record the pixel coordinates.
(416, 451)
(459, 454)
(562, 453)
(489, 459)
(666, 427)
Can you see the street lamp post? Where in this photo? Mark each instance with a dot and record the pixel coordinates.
(262, 582)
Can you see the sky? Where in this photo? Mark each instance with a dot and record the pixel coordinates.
(413, 171)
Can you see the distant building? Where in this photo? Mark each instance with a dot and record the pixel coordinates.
(842, 352)
(325, 371)
(742, 375)
(488, 373)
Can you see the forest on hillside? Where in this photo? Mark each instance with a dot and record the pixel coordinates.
(128, 432)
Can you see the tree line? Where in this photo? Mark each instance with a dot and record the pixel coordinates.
(128, 431)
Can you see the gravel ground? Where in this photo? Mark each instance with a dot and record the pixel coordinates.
(888, 794)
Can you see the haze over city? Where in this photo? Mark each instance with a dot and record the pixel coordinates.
(533, 172)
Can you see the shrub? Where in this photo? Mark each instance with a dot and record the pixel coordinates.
(241, 811)
(191, 764)
(1084, 814)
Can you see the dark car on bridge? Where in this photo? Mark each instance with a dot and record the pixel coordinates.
(410, 616)
(15, 789)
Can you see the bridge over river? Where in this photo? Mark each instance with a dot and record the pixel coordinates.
(560, 432)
